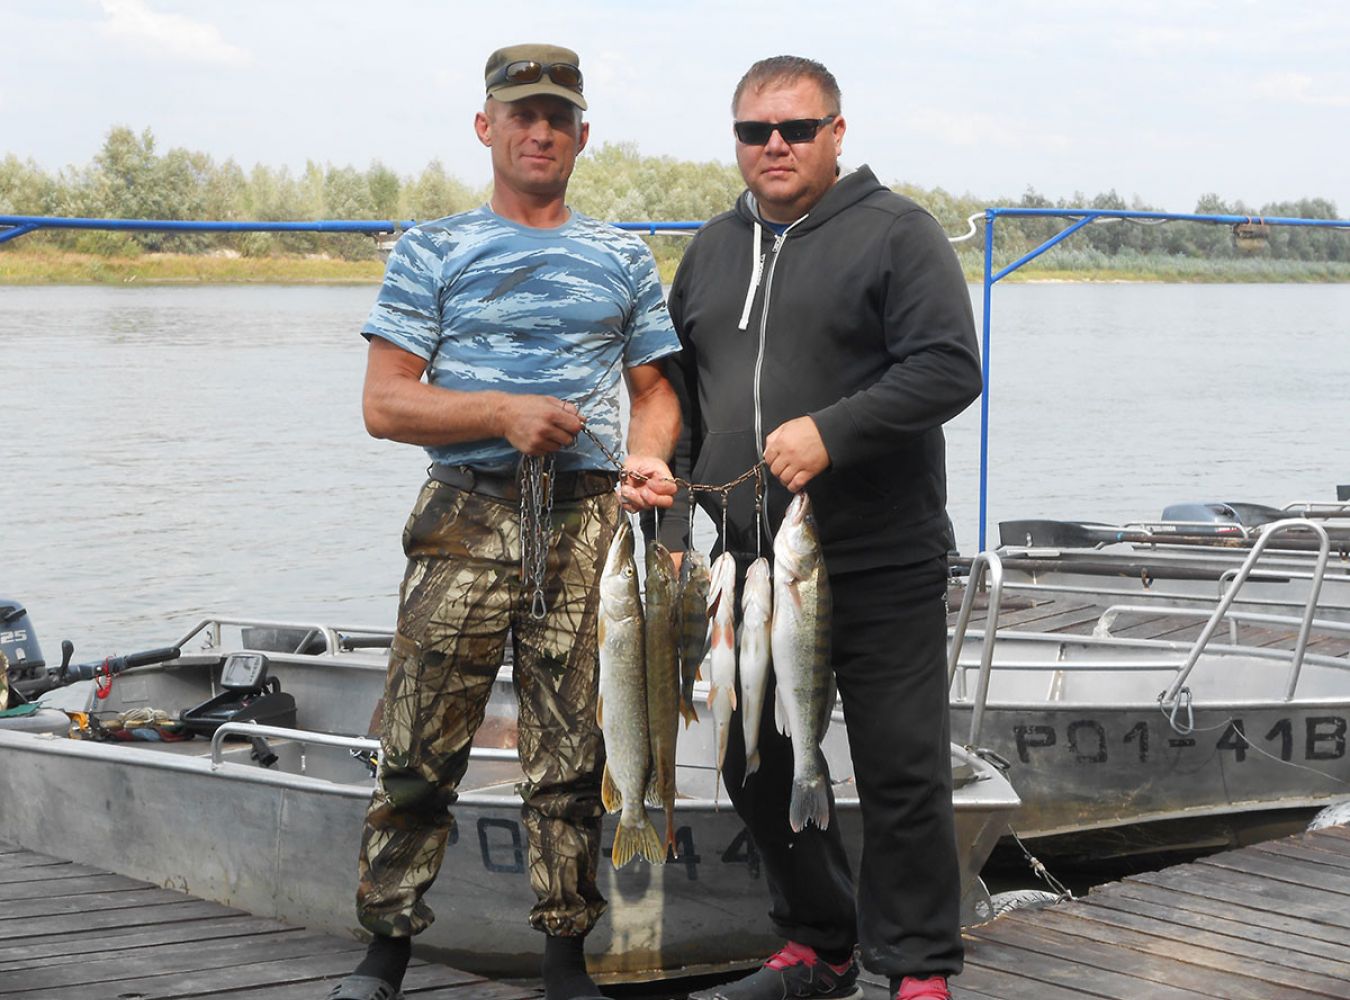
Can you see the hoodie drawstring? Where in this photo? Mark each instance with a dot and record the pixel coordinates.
(756, 270)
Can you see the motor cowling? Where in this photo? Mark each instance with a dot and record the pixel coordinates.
(19, 643)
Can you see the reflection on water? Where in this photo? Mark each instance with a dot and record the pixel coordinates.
(170, 451)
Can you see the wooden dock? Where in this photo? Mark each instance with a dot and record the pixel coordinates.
(71, 932)
(1267, 922)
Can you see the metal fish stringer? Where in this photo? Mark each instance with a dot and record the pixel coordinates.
(536, 527)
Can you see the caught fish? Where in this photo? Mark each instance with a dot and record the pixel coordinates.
(801, 658)
(756, 621)
(695, 581)
(722, 610)
(662, 607)
(622, 707)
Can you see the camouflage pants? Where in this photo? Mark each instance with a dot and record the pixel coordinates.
(461, 596)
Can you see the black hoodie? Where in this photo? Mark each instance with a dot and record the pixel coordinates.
(860, 316)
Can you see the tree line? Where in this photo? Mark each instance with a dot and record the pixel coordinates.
(130, 178)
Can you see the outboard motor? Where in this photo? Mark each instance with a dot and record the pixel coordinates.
(18, 641)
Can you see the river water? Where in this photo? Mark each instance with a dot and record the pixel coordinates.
(173, 451)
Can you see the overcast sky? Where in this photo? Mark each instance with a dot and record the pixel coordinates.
(1160, 99)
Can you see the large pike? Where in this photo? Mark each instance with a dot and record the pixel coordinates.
(622, 707)
(695, 582)
(663, 680)
(756, 619)
(801, 658)
(722, 610)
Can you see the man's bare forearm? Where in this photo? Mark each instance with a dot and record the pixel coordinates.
(654, 419)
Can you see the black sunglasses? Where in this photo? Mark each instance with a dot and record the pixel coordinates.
(796, 130)
(529, 71)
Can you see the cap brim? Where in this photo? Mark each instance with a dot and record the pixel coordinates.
(524, 90)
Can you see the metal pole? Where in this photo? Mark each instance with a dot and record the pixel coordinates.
(989, 217)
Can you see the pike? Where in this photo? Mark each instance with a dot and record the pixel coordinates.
(801, 658)
(756, 615)
(722, 611)
(663, 680)
(695, 582)
(623, 690)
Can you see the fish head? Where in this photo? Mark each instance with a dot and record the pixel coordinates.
(796, 547)
(758, 592)
(660, 568)
(618, 582)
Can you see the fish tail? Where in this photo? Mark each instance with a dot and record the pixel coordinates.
(809, 804)
(649, 842)
(624, 846)
(723, 731)
(671, 849)
(609, 792)
(688, 711)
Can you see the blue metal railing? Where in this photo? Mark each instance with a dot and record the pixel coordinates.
(14, 226)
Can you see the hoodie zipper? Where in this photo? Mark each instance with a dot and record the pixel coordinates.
(778, 241)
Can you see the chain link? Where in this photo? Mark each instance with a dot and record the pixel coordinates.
(536, 526)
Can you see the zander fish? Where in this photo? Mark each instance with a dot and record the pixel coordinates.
(695, 582)
(801, 658)
(621, 709)
(661, 610)
(756, 618)
(722, 609)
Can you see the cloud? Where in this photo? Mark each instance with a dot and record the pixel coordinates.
(170, 35)
(1298, 88)
(979, 129)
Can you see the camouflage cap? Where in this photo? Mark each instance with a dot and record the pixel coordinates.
(520, 71)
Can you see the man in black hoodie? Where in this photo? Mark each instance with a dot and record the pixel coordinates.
(827, 327)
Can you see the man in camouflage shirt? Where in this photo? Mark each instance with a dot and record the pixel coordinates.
(521, 315)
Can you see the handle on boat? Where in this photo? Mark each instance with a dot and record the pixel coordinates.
(116, 664)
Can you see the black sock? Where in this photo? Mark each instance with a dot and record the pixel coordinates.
(564, 969)
(386, 959)
(835, 956)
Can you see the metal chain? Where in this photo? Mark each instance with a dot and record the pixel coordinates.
(536, 526)
(723, 488)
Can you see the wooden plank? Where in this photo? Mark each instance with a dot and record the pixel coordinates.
(1263, 965)
(1303, 852)
(1253, 893)
(315, 989)
(1200, 903)
(59, 950)
(27, 859)
(1152, 975)
(12, 892)
(208, 982)
(171, 959)
(65, 870)
(1041, 966)
(1287, 870)
(168, 913)
(52, 906)
(1188, 921)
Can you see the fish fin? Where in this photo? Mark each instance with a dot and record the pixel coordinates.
(671, 850)
(600, 711)
(780, 716)
(622, 851)
(653, 796)
(698, 671)
(794, 590)
(609, 792)
(649, 842)
(712, 694)
(810, 804)
(689, 713)
(751, 764)
(731, 692)
(716, 601)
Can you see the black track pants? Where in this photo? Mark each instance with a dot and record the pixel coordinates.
(889, 653)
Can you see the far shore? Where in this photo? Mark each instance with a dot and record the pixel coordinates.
(49, 267)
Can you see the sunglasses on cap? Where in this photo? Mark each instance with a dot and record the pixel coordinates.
(529, 71)
(796, 130)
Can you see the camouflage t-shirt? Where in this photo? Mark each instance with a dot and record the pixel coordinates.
(491, 304)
